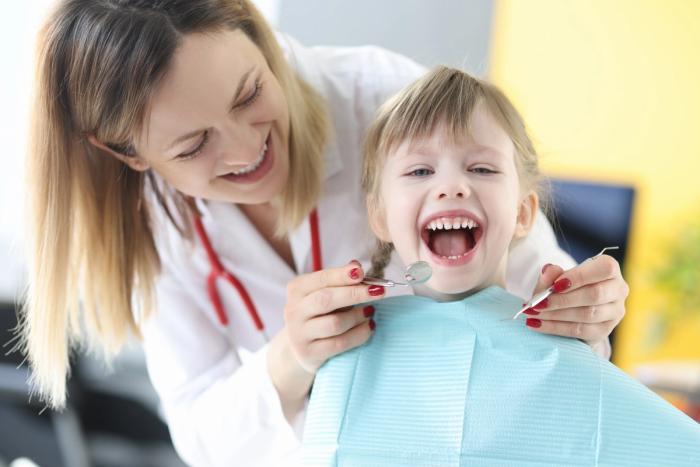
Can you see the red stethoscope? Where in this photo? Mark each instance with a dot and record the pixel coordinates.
(219, 272)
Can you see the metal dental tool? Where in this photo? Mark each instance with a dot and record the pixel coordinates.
(546, 293)
(416, 273)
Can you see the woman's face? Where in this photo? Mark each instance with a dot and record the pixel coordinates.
(219, 124)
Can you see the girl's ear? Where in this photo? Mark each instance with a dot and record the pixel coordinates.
(527, 211)
(135, 162)
(377, 220)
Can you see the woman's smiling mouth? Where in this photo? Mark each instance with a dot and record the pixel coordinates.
(256, 169)
(452, 237)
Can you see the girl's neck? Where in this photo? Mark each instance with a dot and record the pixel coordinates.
(497, 279)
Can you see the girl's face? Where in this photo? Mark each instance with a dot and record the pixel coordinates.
(219, 122)
(455, 204)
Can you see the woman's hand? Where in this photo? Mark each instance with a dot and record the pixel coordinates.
(321, 317)
(588, 302)
(321, 320)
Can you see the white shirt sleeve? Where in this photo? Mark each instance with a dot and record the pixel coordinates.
(219, 412)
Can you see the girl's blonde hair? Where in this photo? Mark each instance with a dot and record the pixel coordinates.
(93, 257)
(449, 96)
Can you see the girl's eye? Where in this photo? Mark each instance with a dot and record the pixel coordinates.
(482, 170)
(196, 151)
(422, 172)
(252, 96)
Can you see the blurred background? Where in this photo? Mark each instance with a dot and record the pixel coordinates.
(610, 92)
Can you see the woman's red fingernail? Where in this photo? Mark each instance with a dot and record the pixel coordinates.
(368, 311)
(561, 285)
(544, 268)
(542, 305)
(355, 273)
(372, 325)
(375, 290)
(533, 322)
(530, 311)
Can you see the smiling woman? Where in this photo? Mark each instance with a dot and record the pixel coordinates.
(242, 139)
(84, 114)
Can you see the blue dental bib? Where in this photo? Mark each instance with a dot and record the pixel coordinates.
(460, 383)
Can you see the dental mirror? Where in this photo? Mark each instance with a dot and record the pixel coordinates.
(416, 273)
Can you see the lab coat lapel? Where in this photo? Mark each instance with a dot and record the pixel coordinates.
(239, 243)
(300, 238)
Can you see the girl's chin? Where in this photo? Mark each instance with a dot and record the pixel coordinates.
(444, 292)
(448, 289)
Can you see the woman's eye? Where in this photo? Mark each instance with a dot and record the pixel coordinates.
(420, 172)
(252, 96)
(196, 151)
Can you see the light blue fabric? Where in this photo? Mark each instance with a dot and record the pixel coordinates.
(460, 383)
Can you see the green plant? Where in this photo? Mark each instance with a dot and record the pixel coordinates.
(679, 276)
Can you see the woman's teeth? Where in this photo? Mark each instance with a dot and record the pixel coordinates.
(445, 223)
(256, 163)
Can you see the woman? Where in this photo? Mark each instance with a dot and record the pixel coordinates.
(176, 138)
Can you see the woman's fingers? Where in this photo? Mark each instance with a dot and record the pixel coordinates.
(590, 314)
(549, 273)
(589, 300)
(323, 349)
(593, 295)
(321, 317)
(591, 271)
(321, 301)
(338, 322)
(305, 284)
(585, 331)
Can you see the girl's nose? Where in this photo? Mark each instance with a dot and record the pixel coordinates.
(453, 190)
(452, 194)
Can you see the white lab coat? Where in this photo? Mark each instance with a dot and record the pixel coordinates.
(219, 412)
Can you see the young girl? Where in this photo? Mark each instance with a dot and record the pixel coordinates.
(452, 179)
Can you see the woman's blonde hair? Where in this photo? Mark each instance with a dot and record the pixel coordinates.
(449, 96)
(93, 256)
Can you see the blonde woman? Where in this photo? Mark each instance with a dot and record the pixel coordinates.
(194, 179)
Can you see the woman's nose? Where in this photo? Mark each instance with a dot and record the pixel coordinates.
(239, 146)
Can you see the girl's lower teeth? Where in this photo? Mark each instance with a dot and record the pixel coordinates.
(454, 256)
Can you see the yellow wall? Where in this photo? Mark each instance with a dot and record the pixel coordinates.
(611, 92)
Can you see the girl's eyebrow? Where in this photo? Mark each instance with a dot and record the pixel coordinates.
(475, 151)
(192, 134)
(489, 151)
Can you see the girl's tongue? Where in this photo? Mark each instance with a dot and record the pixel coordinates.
(451, 242)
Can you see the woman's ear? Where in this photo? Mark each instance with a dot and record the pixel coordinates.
(527, 211)
(134, 162)
(377, 220)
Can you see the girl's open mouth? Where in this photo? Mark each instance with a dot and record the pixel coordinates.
(452, 240)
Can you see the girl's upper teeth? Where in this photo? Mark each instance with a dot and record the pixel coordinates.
(449, 223)
(254, 165)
